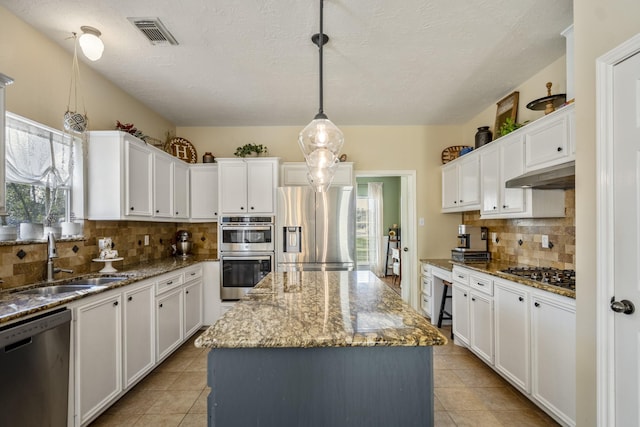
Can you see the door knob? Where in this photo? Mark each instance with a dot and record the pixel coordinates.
(624, 306)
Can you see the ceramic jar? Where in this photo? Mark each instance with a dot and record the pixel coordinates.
(483, 136)
(208, 158)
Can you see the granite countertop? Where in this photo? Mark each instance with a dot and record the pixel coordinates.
(321, 309)
(493, 268)
(15, 306)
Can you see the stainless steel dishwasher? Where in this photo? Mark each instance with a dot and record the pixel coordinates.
(34, 370)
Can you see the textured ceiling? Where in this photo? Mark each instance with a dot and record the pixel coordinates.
(251, 62)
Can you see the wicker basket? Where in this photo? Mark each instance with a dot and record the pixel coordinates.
(452, 153)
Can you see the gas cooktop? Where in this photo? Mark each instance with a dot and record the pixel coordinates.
(548, 275)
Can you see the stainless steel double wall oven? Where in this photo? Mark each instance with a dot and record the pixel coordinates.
(246, 246)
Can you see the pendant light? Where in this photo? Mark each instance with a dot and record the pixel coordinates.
(91, 43)
(321, 140)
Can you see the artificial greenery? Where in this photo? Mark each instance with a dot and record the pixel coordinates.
(248, 149)
(509, 126)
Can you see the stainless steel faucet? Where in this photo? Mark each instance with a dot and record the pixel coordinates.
(53, 253)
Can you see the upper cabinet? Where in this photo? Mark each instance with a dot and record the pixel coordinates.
(129, 179)
(461, 185)
(550, 140)
(247, 186)
(204, 192)
(476, 181)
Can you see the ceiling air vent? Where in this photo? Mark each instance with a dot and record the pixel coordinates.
(154, 30)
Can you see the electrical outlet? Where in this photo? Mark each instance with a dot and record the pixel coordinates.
(545, 241)
(146, 240)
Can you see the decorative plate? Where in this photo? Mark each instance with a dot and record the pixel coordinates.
(183, 149)
(452, 153)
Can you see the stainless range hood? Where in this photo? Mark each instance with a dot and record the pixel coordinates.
(551, 178)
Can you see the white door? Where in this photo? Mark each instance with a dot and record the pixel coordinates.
(619, 235)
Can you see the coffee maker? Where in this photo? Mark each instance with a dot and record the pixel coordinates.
(473, 244)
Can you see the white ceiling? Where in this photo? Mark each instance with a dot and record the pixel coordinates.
(251, 62)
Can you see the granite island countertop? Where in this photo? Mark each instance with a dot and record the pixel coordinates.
(14, 306)
(321, 309)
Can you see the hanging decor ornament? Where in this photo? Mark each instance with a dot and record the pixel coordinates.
(75, 121)
(321, 140)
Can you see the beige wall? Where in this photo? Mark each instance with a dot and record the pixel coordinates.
(373, 148)
(42, 73)
(599, 27)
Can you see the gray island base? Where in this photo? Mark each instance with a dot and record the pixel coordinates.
(321, 349)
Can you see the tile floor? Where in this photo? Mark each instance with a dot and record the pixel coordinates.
(467, 393)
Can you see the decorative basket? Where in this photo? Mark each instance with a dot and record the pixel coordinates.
(452, 153)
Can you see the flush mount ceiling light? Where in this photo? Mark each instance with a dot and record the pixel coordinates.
(90, 43)
(321, 141)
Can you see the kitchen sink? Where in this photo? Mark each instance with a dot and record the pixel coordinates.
(79, 284)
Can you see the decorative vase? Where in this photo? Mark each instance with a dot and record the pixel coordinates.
(483, 136)
(208, 158)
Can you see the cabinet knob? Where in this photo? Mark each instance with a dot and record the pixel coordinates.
(186, 292)
(215, 214)
(177, 213)
(241, 208)
(455, 201)
(473, 299)
(461, 200)
(252, 208)
(131, 207)
(495, 207)
(559, 149)
(160, 305)
(520, 299)
(130, 298)
(465, 295)
(115, 303)
(505, 206)
(537, 304)
(157, 210)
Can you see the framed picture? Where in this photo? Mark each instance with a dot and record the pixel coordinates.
(507, 108)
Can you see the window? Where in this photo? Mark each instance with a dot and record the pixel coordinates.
(39, 168)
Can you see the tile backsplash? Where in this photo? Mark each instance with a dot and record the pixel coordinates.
(76, 254)
(561, 232)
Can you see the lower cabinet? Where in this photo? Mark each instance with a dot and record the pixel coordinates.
(121, 335)
(98, 354)
(138, 332)
(526, 334)
(169, 322)
(553, 356)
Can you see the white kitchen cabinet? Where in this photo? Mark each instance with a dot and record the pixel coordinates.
(180, 189)
(481, 325)
(247, 186)
(295, 174)
(512, 343)
(461, 331)
(162, 186)
(548, 140)
(193, 293)
(461, 184)
(426, 289)
(138, 332)
(138, 178)
(502, 162)
(553, 358)
(98, 354)
(204, 192)
(169, 322)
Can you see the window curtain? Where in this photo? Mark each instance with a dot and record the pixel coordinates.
(36, 155)
(376, 241)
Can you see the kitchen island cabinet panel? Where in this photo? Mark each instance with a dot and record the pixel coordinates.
(317, 387)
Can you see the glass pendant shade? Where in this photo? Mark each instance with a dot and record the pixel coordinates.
(90, 43)
(321, 142)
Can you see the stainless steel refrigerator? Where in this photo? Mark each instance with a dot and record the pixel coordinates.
(315, 231)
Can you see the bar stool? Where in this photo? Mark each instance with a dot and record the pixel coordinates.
(445, 315)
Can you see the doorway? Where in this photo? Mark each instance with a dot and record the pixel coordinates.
(399, 210)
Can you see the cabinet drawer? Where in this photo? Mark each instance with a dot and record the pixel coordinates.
(192, 273)
(427, 284)
(426, 269)
(482, 283)
(426, 304)
(168, 282)
(461, 276)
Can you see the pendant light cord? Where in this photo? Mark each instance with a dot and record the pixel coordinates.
(320, 44)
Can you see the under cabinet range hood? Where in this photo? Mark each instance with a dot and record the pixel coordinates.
(551, 178)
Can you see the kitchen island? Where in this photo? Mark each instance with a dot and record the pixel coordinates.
(321, 349)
